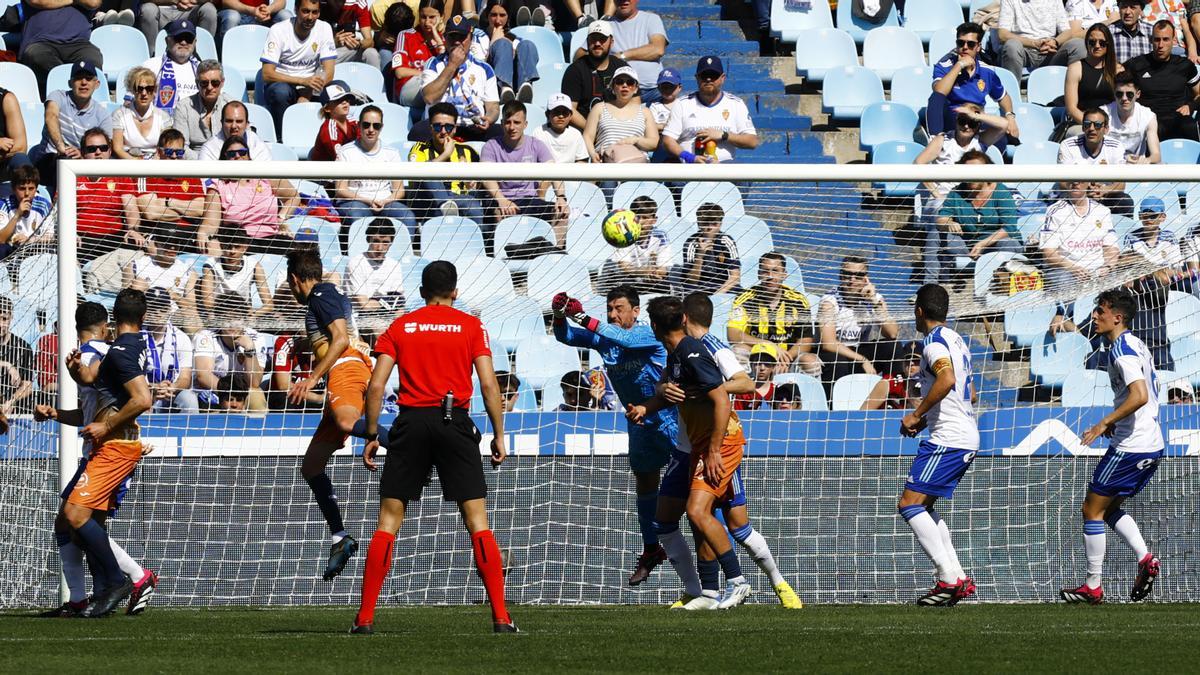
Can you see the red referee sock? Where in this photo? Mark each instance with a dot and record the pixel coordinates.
(379, 561)
(491, 569)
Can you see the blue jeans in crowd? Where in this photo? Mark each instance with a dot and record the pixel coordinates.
(229, 18)
(352, 210)
(431, 194)
(280, 96)
(504, 59)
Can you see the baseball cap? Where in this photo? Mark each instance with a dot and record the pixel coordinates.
(600, 28)
(307, 234)
(764, 352)
(83, 69)
(669, 76)
(1152, 205)
(710, 64)
(558, 101)
(625, 71)
(1183, 386)
(337, 90)
(460, 25)
(181, 27)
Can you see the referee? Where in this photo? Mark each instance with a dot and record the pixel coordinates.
(435, 348)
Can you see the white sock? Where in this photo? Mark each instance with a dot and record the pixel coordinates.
(1094, 543)
(127, 564)
(680, 555)
(1128, 530)
(338, 536)
(930, 540)
(756, 545)
(72, 568)
(955, 566)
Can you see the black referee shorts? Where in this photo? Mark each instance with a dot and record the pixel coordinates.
(421, 439)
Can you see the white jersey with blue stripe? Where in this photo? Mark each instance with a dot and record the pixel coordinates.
(1129, 362)
(951, 422)
(90, 352)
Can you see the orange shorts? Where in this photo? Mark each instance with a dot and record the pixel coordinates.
(346, 385)
(732, 449)
(108, 466)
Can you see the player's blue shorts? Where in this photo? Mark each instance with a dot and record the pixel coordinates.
(649, 449)
(739, 491)
(120, 496)
(937, 469)
(677, 480)
(1123, 474)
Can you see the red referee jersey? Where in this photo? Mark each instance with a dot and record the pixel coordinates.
(434, 348)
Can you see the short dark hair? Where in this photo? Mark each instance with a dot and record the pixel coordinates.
(300, 1)
(934, 302)
(25, 173)
(968, 28)
(699, 308)
(854, 260)
(788, 391)
(233, 305)
(94, 131)
(171, 136)
(1121, 301)
(438, 279)
(305, 263)
(232, 141)
(626, 291)
(507, 381)
(380, 227)
(574, 379)
(443, 108)
(233, 386)
(90, 314)
(773, 255)
(710, 211)
(371, 109)
(1126, 77)
(975, 156)
(233, 234)
(1164, 23)
(169, 233)
(511, 108)
(666, 313)
(643, 205)
(1096, 111)
(130, 307)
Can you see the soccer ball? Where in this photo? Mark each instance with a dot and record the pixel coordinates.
(621, 228)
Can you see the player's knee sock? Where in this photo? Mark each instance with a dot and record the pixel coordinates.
(647, 504)
(710, 577)
(730, 566)
(127, 564)
(1124, 525)
(322, 489)
(756, 544)
(1094, 543)
(491, 570)
(680, 555)
(72, 566)
(379, 561)
(95, 540)
(930, 540)
(951, 554)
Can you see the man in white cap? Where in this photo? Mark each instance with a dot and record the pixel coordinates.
(706, 115)
(565, 141)
(587, 81)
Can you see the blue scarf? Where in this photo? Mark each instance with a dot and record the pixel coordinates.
(167, 93)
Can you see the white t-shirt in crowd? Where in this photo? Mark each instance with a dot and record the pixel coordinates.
(471, 88)
(655, 251)
(1088, 13)
(259, 151)
(374, 279)
(1132, 132)
(369, 189)
(567, 147)
(635, 32)
(1074, 151)
(690, 116)
(209, 344)
(295, 56)
(1080, 239)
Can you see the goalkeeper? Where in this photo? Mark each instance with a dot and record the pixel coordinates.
(634, 360)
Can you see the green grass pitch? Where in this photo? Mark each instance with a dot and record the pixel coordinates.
(754, 638)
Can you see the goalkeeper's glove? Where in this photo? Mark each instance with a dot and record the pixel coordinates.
(559, 304)
(574, 310)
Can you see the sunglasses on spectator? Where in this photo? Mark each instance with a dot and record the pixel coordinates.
(89, 149)
(234, 153)
(964, 121)
(624, 82)
(173, 153)
(1092, 124)
(185, 38)
(854, 275)
(442, 128)
(969, 44)
(1127, 94)
(1092, 42)
(145, 88)
(371, 125)
(209, 83)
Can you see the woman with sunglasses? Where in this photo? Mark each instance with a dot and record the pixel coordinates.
(620, 122)
(368, 197)
(258, 206)
(514, 60)
(1091, 81)
(137, 125)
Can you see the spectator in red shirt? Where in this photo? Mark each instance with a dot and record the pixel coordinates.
(45, 365)
(338, 128)
(107, 217)
(352, 32)
(293, 363)
(764, 359)
(414, 47)
(168, 199)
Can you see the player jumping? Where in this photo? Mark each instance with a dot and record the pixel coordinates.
(943, 460)
(633, 359)
(329, 322)
(91, 321)
(1134, 450)
(712, 432)
(123, 394)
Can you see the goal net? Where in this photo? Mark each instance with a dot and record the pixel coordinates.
(221, 512)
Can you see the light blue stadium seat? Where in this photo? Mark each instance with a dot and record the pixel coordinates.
(235, 84)
(552, 397)
(848, 91)
(586, 199)
(1186, 353)
(585, 241)
(1012, 86)
(661, 194)
(410, 270)
(1035, 121)
(896, 152)
(1083, 306)
(787, 22)
(263, 123)
(34, 114)
(578, 41)
(549, 45)
(1052, 360)
(206, 46)
(941, 43)
(1025, 325)
(37, 280)
(857, 28)
(722, 305)
(1029, 225)
(986, 267)
(891, 47)
(282, 153)
(994, 153)
(451, 238)
(1036, 152)
(363, 78)
(1045, 84)
(929, 16)
(1180, 151)
(753, 238)
(549, 82)
(820, 49)
(851, 391)
(1124, 225)
(677, 230)
(484, 281)
(243, 47)
(123, 47)
(24, 320)
(20, 80)
(887, 121)
(912, 87)
(1087, 389)
(59, 79)
(357, 239)
(812, 394)
(1183, 316)
(511, 320)
(723, 194)
(541, 361)
(517, 229)
(550, 274)
(301, 121)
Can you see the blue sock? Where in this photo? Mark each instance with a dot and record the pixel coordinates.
(743, 532)
(934, 514)
(730, 565)
(647, 504)
(95, 542)
(720, 516)
(710, 571)
(322, 489)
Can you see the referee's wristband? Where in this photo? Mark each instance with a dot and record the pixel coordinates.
(687, 157)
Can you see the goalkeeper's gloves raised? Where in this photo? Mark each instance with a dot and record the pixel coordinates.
(558, 305)
(564, 305)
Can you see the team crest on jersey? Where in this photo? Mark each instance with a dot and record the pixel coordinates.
(165, 94)
(981, 85)
(111, 185)
(471, 80)
(314, 47)
(185, 186)
(724, 114)
(1099, 224)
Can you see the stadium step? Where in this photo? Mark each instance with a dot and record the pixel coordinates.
(698, 48)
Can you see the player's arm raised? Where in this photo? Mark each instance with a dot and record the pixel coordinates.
(339, 340)
(493, 404)
(1139, 394)
(140, 400)
(375, 391)
(943, 383)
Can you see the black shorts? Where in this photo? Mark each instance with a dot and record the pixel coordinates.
(420, 440)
